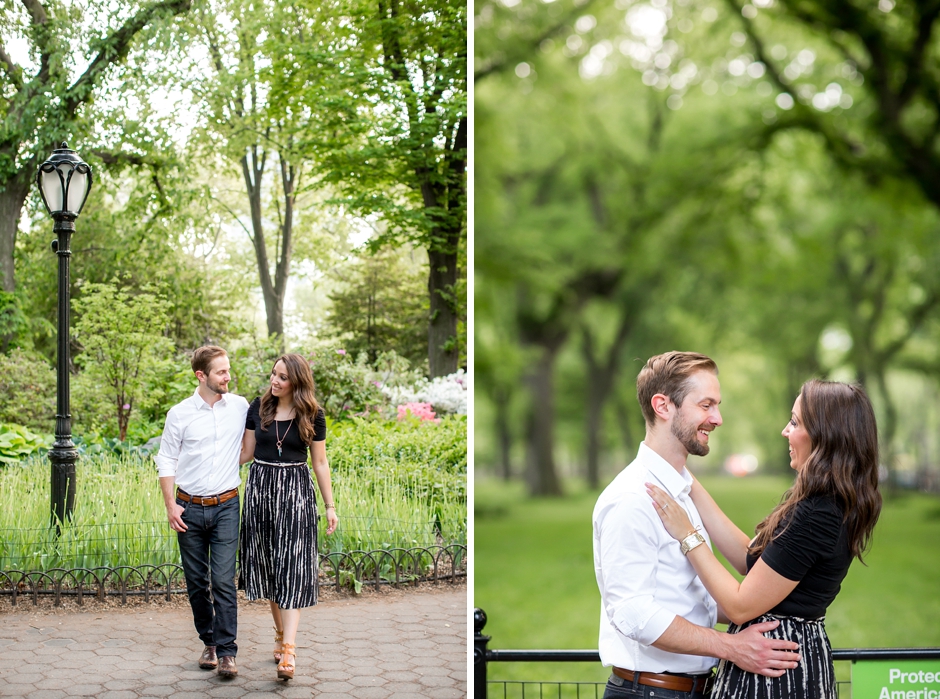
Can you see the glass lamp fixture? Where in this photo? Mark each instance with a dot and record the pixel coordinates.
(64, 181)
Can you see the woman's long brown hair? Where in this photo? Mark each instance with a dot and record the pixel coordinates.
(305, 404)
(843, 463)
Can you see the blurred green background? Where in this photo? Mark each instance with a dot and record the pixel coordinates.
(757, 181)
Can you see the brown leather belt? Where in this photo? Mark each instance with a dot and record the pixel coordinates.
(675, 682)
(209, 501)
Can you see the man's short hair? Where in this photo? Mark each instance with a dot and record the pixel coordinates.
(669, 374)
(204, 356)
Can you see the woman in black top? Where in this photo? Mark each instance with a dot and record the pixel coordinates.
(278, 551)
(795, 565)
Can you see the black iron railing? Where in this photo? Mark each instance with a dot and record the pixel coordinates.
(482, 656)
(337, 569)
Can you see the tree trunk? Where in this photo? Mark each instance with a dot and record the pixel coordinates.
(286, 245)
(503, 433)
(889, 426)
(630, 444)
(594, 414)
(12, 198)
(541, 474)
(442, 324)
(443, 350)
(600, 382)
(273, 294)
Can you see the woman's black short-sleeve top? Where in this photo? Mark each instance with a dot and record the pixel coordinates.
(813, 549)
(292, 447)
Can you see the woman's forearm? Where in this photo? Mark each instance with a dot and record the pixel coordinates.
(761, 590)
(321, 470)
(725, 534)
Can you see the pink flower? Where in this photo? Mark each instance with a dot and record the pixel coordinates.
(422, 411)
(126, 406)
(342, 352)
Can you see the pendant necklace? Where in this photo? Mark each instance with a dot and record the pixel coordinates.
(280, 440)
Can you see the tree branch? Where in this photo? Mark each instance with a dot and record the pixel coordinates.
(120, 158)
(37, 13)
(915, 61)
(526, 47)
(391, 47)
(12, 70)
(843, 149)
(115, 47)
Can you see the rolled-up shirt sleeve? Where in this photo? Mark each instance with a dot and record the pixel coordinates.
(628, 547)
(168, 457)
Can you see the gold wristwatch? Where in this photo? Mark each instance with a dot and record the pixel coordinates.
(692, 540)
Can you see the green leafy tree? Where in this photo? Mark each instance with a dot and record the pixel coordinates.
(381, 306)
(126, 231)
(596, 204)
(881, 56)
(402, 155)
(41, 103)
(247, 45)
(124, 350)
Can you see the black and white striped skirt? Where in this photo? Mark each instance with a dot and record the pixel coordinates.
(278, 548)
(812, 677)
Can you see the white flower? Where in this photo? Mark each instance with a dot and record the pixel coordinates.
(448, 394)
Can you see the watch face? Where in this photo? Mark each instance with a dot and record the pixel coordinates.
(691, 541)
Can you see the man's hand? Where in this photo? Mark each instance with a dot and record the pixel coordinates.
(175, 514)
(754, 652)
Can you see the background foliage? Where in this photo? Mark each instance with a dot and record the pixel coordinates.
(728, 178)
(755, 181)
(234, 151)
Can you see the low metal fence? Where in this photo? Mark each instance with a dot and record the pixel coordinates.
(397, 566)
(484, 688)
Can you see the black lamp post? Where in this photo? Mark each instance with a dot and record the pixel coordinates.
(64, 182)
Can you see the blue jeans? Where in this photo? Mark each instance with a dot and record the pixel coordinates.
(619, 688)
(208, 548)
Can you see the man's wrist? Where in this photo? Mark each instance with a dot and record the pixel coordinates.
(723, 645)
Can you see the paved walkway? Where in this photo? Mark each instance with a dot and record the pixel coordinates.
(405, 644)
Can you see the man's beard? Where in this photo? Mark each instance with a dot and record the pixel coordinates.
(216, 388)
(687, 436)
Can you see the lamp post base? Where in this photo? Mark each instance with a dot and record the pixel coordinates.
(63, 456)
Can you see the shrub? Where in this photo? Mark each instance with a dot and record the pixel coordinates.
(349, 387)
(17, 442)
(28, 387)
(431, 457)
(447, 394)
(125, 350)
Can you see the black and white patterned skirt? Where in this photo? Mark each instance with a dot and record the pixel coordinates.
(278, 547)
(812, 678)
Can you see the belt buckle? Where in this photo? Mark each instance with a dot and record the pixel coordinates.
(211, 501)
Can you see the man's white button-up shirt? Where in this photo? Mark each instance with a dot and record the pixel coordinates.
(643, 578)
(201, 444)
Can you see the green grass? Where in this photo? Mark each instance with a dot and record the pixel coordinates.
(397, 485)
(534, 576)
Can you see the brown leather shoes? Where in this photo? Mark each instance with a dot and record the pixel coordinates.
(227, 666)
(208, 661)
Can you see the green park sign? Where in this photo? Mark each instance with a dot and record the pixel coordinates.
(896, 679)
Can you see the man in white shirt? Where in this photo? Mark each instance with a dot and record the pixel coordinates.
(657, 619)
(198, 468)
